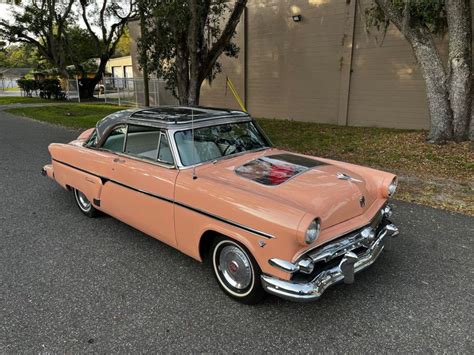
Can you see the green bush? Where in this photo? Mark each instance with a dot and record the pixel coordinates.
(51, 88)
(28, 86)
(48, 88)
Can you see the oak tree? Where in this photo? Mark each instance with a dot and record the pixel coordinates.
(41, 23)
(448, 84)
(184, 40)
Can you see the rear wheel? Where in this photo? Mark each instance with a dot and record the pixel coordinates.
(236, 271)
(84, 204)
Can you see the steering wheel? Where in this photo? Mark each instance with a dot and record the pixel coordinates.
(229, 145)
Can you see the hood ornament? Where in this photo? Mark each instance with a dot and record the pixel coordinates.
(344, 176)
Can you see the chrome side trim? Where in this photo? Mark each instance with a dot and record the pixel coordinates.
(227, 221)
(349, 265)
(163, 198)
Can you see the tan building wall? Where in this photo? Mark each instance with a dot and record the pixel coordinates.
(386, 86)
(328, 68)
(120, 67)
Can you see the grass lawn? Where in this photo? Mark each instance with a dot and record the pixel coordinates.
(71, 114)
(439, 176)
(8, 100)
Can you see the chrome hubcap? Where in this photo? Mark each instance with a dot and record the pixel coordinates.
(235, 267)
(82, 200)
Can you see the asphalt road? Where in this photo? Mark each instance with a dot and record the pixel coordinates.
(69, 283)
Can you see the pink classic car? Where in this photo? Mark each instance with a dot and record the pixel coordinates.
(209, 183)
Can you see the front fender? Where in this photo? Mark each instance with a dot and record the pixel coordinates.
(189, 234)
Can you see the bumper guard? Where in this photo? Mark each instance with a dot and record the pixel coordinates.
(350, 264)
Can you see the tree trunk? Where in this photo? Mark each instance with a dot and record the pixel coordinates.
(434, 74)
(86, 88)
(144, 56)
(460, 65)
(194, 92)
(471, 129)
(195, 48)
(436, 88)
(63, 73)
(87, 85)
(182, 74)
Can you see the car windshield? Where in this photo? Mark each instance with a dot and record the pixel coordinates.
(218, 141)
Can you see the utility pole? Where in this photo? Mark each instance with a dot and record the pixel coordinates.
(143, 54)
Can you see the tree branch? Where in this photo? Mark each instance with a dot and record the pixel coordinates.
(225, 38)
(86, 22)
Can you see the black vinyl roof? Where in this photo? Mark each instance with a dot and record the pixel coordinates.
(167, 116)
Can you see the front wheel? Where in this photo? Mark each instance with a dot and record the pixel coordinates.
(84, 204)
(236, 271)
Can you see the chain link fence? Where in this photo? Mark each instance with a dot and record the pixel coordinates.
(131, 92)
(120, 91)
(116, 91)
(71, 88)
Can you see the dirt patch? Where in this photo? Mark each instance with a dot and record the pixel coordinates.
(447, 194)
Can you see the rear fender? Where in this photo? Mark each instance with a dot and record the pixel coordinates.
(68, 173)
(86, 134)
(68, 177)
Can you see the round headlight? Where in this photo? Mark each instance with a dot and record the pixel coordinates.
(312, 233)
(392, 187)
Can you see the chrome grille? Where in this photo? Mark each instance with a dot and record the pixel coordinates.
(348, 242)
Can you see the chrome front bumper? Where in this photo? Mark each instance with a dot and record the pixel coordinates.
(355, 252)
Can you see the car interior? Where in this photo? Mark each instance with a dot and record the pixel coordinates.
(204, 144)
(141, 142)
(209, 143)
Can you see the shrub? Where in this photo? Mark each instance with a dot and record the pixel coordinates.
(48, 88)
(28, 86)
(51, 88)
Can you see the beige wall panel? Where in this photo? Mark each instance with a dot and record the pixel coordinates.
(387, 88)
(294, 68)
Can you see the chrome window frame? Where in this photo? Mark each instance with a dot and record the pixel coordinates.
(125, 155)
(170, 131)
(163, 132)
(173, 131)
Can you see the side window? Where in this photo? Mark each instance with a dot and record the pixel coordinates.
(165, 155)
(142, 142)
(115, 140)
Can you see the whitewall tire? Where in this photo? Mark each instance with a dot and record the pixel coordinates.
(236, 271)
(84, 204)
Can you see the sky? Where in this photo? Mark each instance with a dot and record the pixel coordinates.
(5, 10)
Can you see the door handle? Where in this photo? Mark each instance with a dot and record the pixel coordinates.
(118, 160)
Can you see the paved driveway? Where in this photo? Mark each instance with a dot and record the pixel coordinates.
(69, 283)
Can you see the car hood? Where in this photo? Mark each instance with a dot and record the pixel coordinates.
(333, 193)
